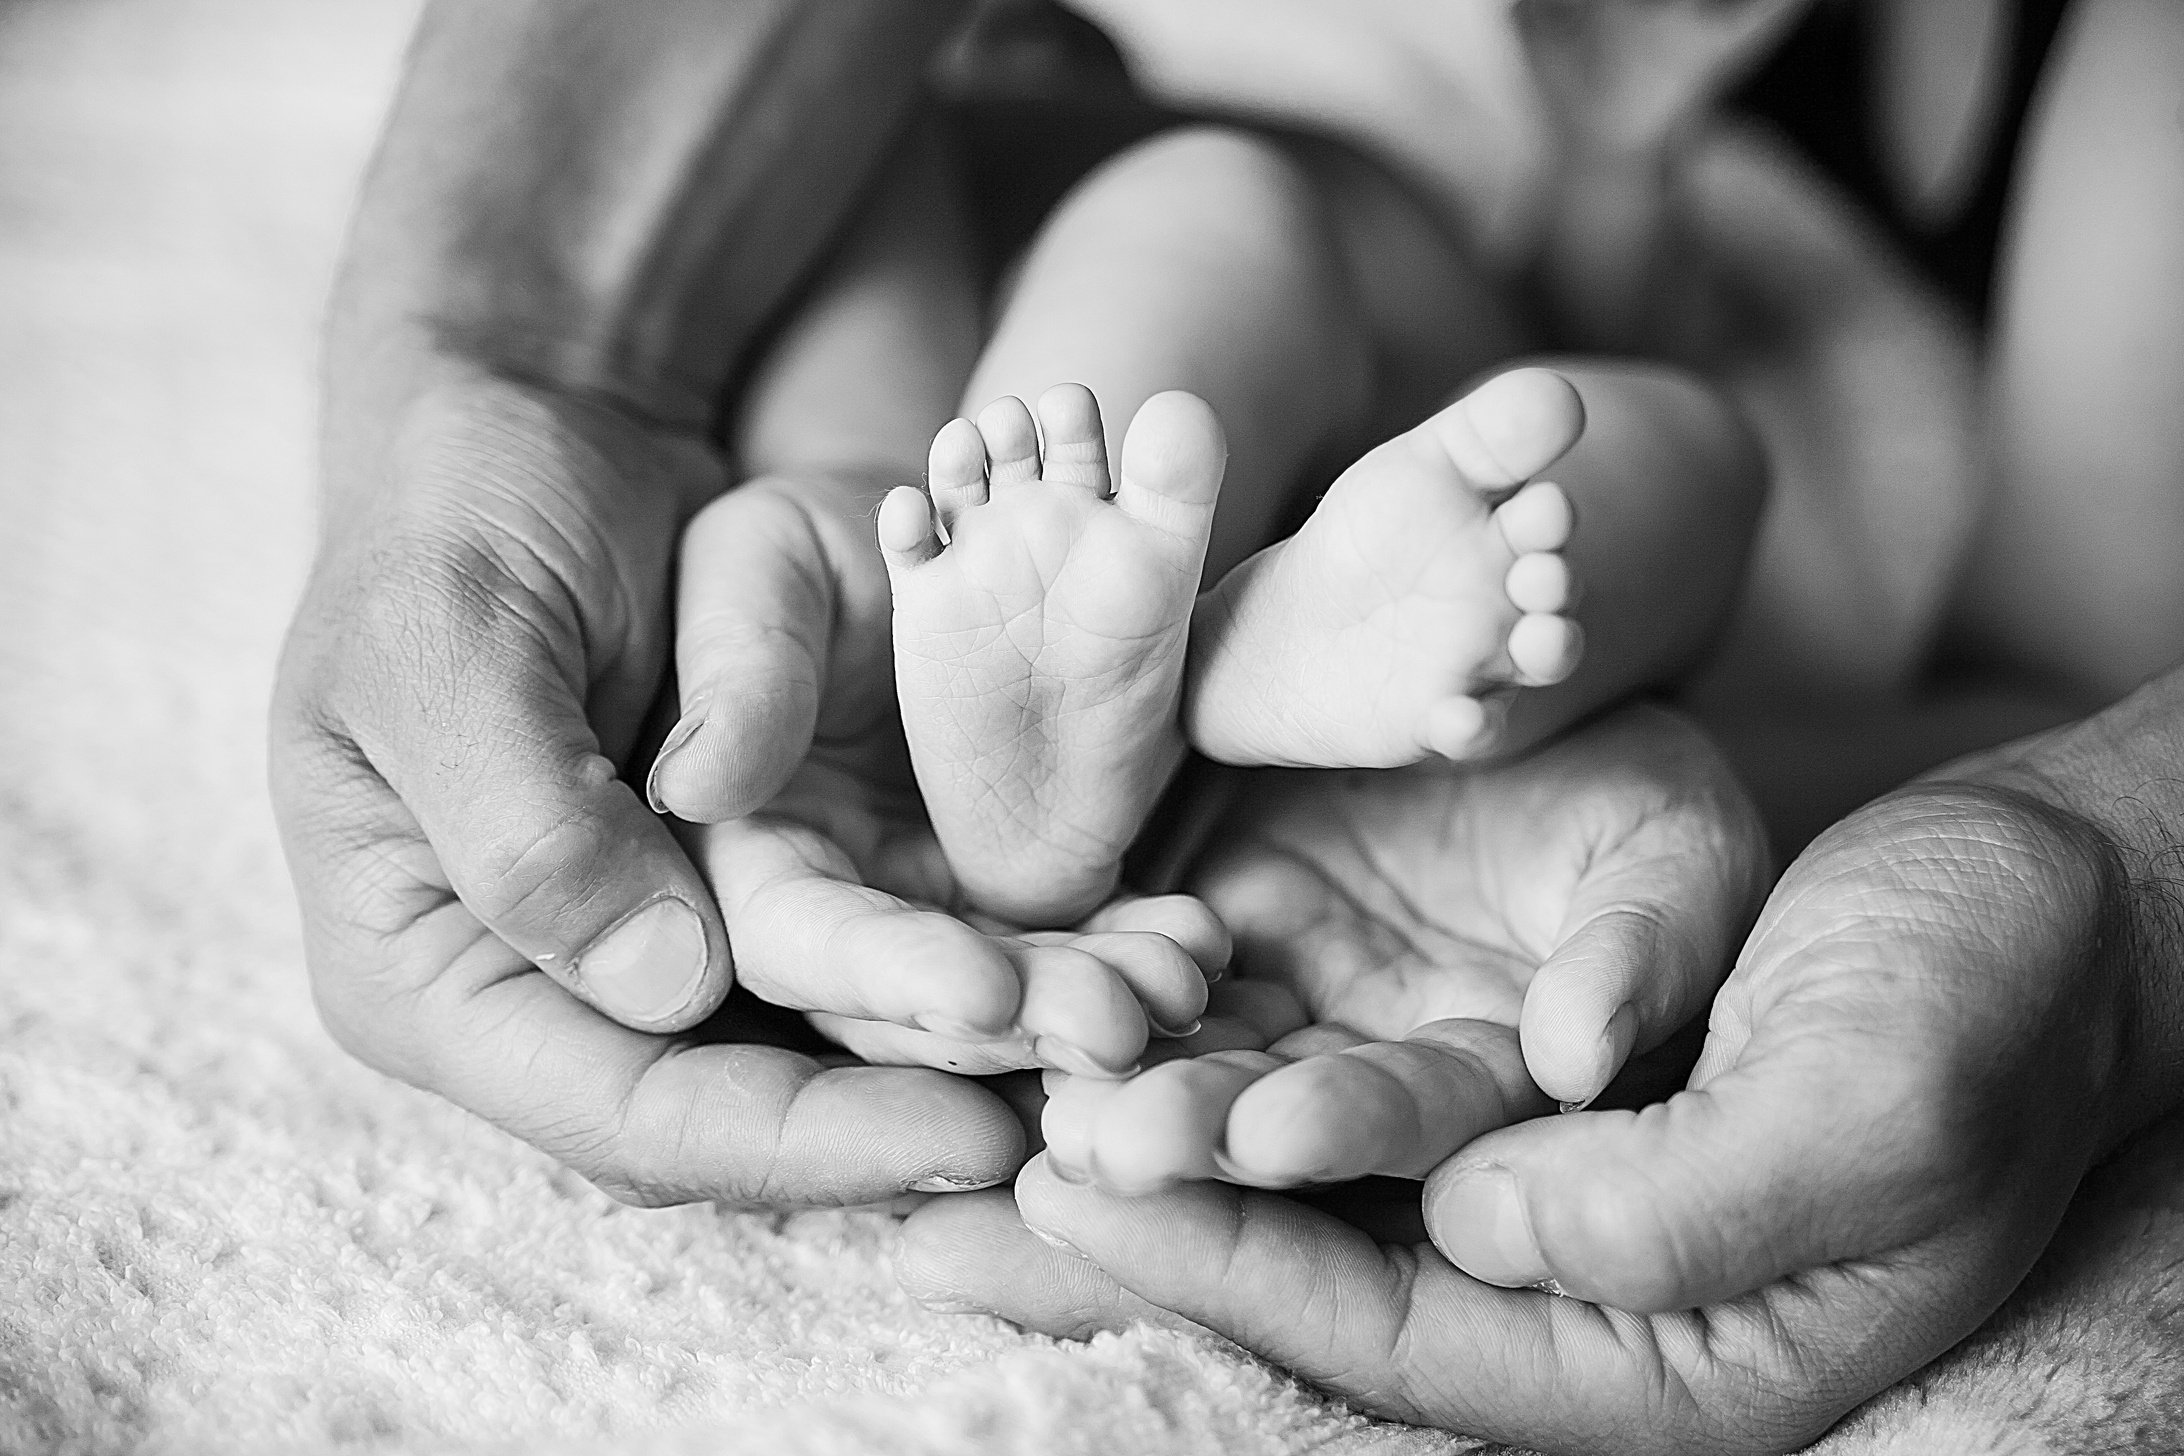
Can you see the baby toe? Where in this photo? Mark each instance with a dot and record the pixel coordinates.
(1545, 648)
(1537, 518)
(1464, 728)
(1012, 442)
(955, 470)
(906, 528)
(1076, 442)
(1541, 581)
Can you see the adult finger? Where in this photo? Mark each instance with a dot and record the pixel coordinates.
(1076, 1015)
(1678, 872)
(1160, 973)
(1400, 1332)
(957, 1254)
(811, 935)
(460, 685)
(771, 592)
(413, 983)
(1160, 1127)
(1852, 1101)
(1389, 1108)
(1650, 933)
(1184, 919)
(1292, 1284)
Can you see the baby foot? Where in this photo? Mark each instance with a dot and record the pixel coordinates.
(1322, 1105)
(1040, 631)
(1392, 624)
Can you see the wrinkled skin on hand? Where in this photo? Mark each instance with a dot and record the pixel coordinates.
(1429, 953)
(484, 631)
(1904, 1078)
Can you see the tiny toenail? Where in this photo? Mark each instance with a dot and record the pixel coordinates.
(1177, 1033)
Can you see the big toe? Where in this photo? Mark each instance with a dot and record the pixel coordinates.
(1172, 462)
(1511, 427)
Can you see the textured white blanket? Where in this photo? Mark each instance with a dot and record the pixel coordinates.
(217, 1234)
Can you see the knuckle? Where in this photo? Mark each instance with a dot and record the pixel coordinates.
(1731, 1380)
(513, 866)
(369, 1006)
(447, 583)
(1628, 1237)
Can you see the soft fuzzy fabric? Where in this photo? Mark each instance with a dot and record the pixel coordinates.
(218, 1234)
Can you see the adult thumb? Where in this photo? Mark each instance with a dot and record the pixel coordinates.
(782, 635)
(463, 683)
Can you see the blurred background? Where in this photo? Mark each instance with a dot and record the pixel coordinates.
(174, 177)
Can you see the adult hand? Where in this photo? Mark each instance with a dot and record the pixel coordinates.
(490, 911)
(837, 897)
(1921, 1050)
(1435, 952)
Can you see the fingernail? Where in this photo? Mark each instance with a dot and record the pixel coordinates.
(942, 1183)
(686, 728)
(1615, 1044)
(650, 965)
(1482, 1213)
(956, 1029)
(1057, 1242)
(1058, 1053)
(1176, 1033)
(954, 1306)
(1609, 1055)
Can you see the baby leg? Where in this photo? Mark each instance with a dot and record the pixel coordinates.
(1040, 625)
(781, 629)
(1202, 260)
(1432, 582)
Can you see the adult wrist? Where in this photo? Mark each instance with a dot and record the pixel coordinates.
(438, 427)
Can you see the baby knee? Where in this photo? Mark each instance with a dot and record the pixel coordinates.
(1217, 170)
